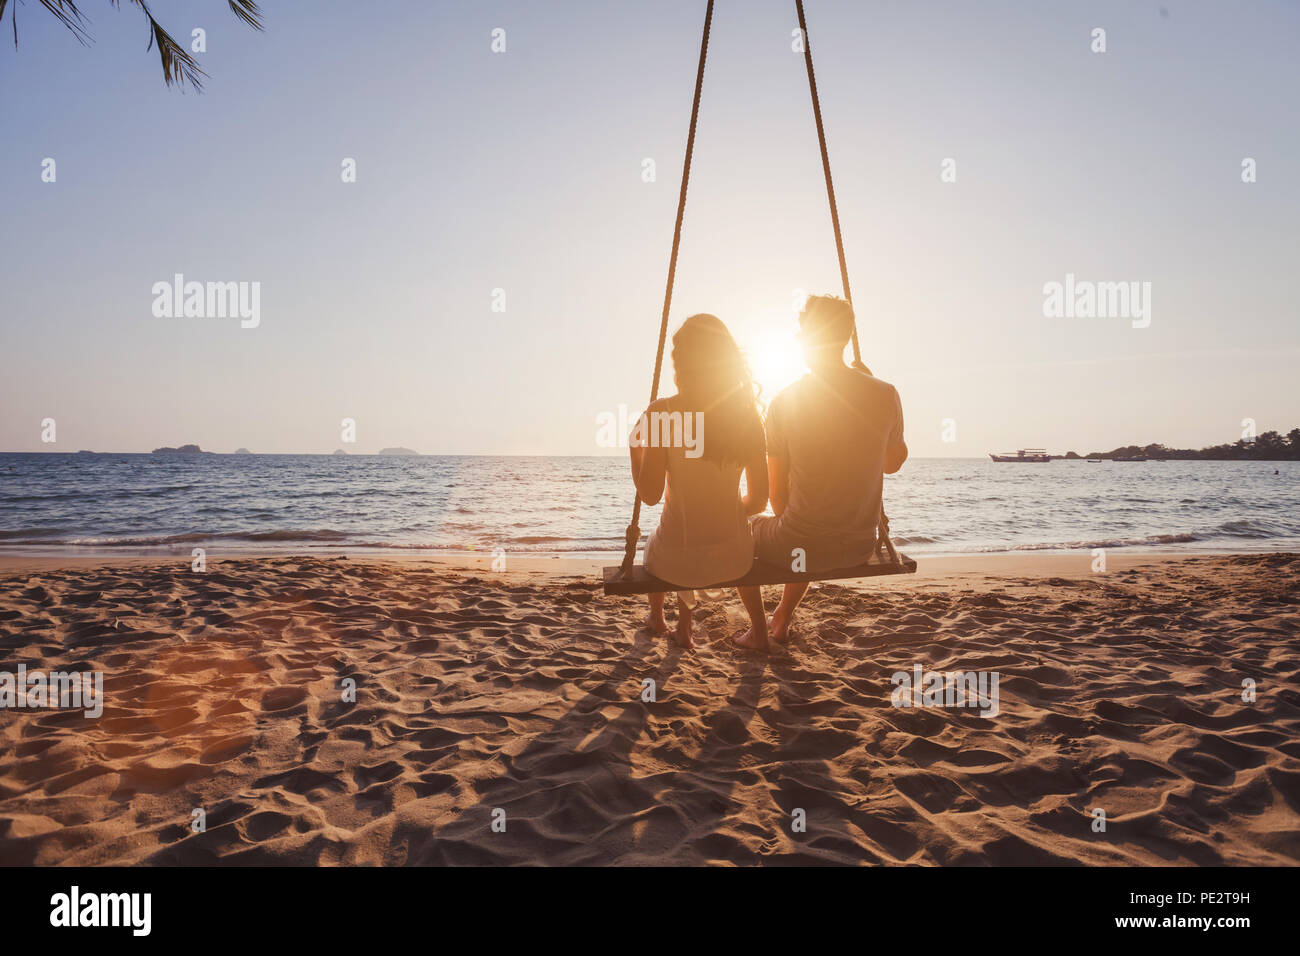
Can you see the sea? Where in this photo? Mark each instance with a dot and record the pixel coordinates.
(87, 504)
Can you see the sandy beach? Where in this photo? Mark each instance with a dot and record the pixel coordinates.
(516, 698)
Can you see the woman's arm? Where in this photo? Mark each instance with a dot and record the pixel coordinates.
(755, 499)
(650, 479)
(649, 465)
(778, 483)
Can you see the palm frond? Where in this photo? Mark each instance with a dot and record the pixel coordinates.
(246, 10)
(69, 16)
(178, 64)
(64, 10)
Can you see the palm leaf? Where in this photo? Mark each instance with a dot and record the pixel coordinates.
(65, 10)
(69, 16)
(178, 64)
(246, 10)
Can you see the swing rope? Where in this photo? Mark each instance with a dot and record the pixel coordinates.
(830, 183)
(882, 526)
(633, 533)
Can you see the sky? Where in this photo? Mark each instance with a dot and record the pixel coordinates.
(522, 171)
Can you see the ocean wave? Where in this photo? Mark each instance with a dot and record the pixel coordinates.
(482, 540)
(559, 546)
(323, 537)
(101, 494)
(20, 535)
(191, 537)
(1245, 528)
(1148, 540)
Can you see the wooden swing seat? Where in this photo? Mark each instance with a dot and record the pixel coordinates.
(642, 581)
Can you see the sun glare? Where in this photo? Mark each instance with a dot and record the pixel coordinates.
(776, 362)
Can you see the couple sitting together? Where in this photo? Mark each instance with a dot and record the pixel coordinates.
(820, 457)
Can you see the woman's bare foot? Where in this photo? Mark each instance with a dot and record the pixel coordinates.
(779, 630)
(656, 622)
(684, 625)
(755, 639)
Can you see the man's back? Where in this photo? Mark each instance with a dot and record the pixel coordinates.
(835, 429)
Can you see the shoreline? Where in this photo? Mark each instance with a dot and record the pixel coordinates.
(560, 564)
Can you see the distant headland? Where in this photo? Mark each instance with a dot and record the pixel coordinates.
(399, 451)
(182, 450)
(1267, 446)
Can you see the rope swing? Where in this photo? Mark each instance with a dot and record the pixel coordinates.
(633, 534)
(629, 579)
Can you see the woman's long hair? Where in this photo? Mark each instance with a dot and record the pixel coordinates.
(713, 377)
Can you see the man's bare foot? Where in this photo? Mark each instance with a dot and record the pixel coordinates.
(755, 639)
(656, 623)
(684, 626)
(779, 630)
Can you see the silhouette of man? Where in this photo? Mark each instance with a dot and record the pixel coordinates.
(831, 438)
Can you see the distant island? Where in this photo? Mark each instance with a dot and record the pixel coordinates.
(398, 451)
(183, 450)
(339, 451)
(1267, 446)
(242, 451)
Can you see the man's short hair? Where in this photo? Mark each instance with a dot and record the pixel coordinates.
(827, 321)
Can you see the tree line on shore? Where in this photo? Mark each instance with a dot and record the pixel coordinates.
(1267, 446)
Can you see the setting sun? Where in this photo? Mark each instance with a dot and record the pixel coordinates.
(776, 361)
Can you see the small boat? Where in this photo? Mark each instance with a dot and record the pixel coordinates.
(1130, 458)
(1094, 461)
(1024, 454)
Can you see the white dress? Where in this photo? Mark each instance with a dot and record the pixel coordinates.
(703, 536)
